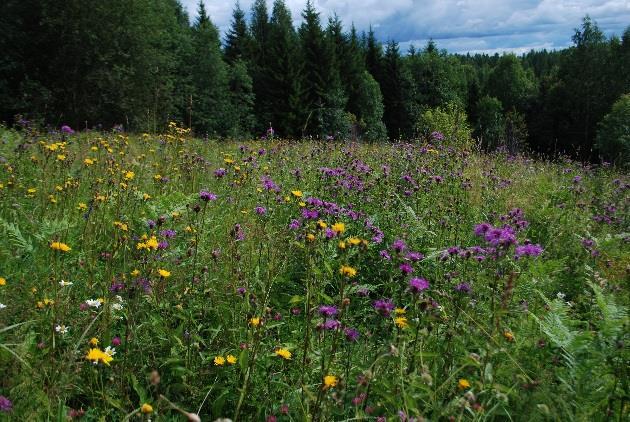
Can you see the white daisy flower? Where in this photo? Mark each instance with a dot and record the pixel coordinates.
(61, 329)
(110, 351)
(64, 283)
(2, 306)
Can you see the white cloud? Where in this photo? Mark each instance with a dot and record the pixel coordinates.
(457, 25)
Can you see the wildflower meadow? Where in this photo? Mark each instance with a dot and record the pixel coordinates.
(170, 278)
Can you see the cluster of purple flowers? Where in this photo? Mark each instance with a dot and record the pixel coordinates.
(383, 306)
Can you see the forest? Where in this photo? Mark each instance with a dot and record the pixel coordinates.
(140, 64)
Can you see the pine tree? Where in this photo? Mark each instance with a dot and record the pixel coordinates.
(209, 75)
(238, 38)
(397, 89)
(315, 72)
(259, 65)
(283, 73)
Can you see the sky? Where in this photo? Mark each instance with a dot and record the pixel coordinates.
(459, 26)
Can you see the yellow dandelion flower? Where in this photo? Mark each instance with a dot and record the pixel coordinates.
(339, 227)
(164, 273)
(231, 359)
(348, 271)
(330, 381)
(354, 241)
(297, 193)
(3, 281)
(88, 161)
(31, 190)
(129, 175)
(310, 237)
(341, 244)
(219, 361)
(284, 354)
(321, 224)
(400, 311)
(146, 408)
(508, 336)
(463, 384)
(254, 322)
(135, 273)
(59, 246)
(401, 322)
(61, 157)
(93, 341)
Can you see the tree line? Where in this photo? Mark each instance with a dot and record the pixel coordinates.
(142, 63)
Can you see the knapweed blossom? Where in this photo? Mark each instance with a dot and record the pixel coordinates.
(207, 196)
(417, 285)
(328, 310)
(383, 306)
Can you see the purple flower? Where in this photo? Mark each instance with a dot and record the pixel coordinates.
(67, 130)
(482, 229)
(207, 196)
(238, 233)
(168, 233)
(151, 224)
(241, 291)
(414, 256)
(399, 245)
(463, 288)
(220, 172)
(295, 224)
(417, 285)
(310, 214)
(260, 210)
(437, 136)
(406, 268)
(385, 255)
(527, 250)
(383, 306)
(330, 324)
(328, 310)
(352, 335)
(268, 184)
(5, 404)
(116, 341)
(500, 236)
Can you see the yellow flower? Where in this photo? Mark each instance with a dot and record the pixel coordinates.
(219, 361)
(129, 175)
(401, 322)
(354, 241)
(347, 271)
(88, 161)
(146, 408)
(146, 196)
(228, 161)
(297, 193)
(508, 336)
(342, 244)
(254, 322)
(61, 157)
(31, 190)
(164, 273)
(97, 355)
(321, 224)
(94, 341)
(400, 311)
(3, 281)
(231, 359)
(339, 227)
(59, 246)
(330, 381)
(284, 354)
(135, 273)
(463, 384)
(310, 237)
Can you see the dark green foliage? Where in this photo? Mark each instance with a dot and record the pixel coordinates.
(613, 136)
(238, 38)
(210, 100)
(398, 92)
(490, 127)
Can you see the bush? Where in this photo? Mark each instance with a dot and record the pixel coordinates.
(451, 121)
(613, 136)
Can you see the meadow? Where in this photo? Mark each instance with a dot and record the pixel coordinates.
(165, 278)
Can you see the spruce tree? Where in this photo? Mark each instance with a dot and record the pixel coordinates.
(238, 39)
